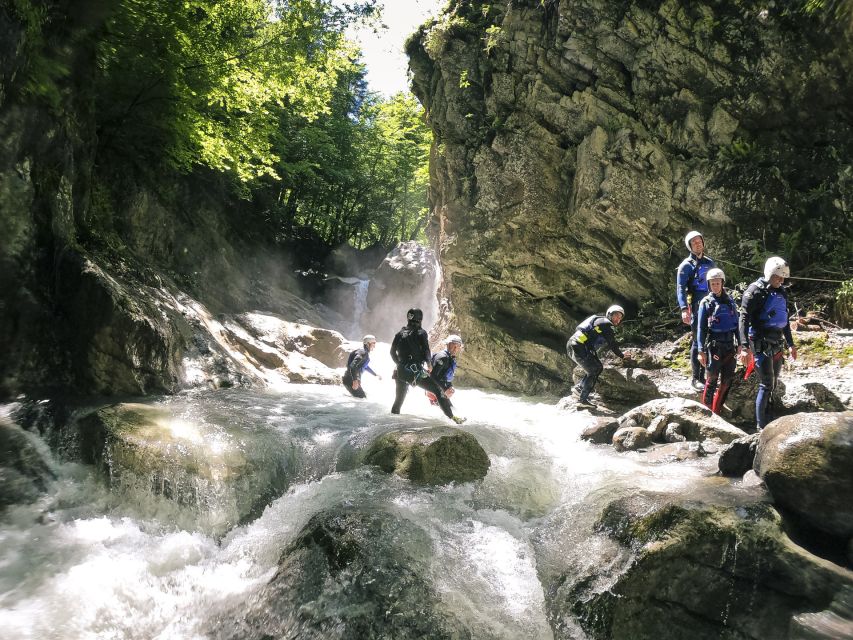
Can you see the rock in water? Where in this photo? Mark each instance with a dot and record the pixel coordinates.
(350, 573)
(436, 455)
(697, 572)
(806, 460)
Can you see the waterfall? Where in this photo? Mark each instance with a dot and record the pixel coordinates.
(359, 308)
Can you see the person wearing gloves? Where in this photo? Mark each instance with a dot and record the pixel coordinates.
(409, 351)
(763, 324)
(444, 367)
(594, 333)
(358, 361)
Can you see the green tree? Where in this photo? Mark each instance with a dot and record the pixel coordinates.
(202, 82)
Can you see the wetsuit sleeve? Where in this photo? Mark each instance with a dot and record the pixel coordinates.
(424, 346)
(607, 332)
(685, 272)
(744, 316)
(357, 364)
(440, 367)
(394, 346)
(702, 324)
(369, 370)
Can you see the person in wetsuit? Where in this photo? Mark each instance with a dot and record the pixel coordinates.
(410, 351)
(691, 285)
(719, 340)
(358, 361)
(444, 367)
(591, 335)
(763, 322)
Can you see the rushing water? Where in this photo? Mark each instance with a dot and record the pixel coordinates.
(84, 562)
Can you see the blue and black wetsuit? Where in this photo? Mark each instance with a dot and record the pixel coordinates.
(764, 323)
(691, 285)
(409, 351)
(591, 335)
(443, 369)
(717, 334)
(358, 361)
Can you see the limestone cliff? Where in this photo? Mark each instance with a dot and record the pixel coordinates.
(576, 141)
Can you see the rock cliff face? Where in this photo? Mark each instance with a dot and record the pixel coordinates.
(576, 141)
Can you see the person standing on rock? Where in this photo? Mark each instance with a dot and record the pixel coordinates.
(444, 367)
(358, 361)
(719, 340)
(591, 335)
(410, 351)
(691, 286)
(764, 324)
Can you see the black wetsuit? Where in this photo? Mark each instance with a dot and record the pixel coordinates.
(764, 324)
(409, 350)
(358, 361)
(589, 336)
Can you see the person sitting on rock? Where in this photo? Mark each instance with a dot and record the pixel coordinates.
(444, 367)
(358, 361)
(764, 323)
(719, 340)
(691, 286)
(410, 351)
(591, 335)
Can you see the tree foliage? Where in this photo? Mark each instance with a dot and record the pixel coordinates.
(268, 95)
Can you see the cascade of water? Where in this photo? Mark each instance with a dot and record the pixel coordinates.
(89, 562)
(359, 308)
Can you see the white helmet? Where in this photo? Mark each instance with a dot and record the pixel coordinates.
(776, 266)
(615, 308)
(713, 274)
(368, 338)
(453, 339)
(689, 237)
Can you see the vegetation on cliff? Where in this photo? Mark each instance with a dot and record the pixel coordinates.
(266, 99)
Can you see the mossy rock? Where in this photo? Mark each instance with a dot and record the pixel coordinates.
(222, 477)
(349, 573)
(806, 460)
(432, 456)
(696, 571)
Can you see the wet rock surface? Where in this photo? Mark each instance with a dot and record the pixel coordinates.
(806, 460)
(671, 417)
(699, 571)
(435, 455)
(737, 457)
(222, 477)
(350, 573)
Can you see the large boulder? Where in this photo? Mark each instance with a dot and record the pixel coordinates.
(678, 416)
(217, 477)
(806, 460)
(697, 572)
(434, 455)
(350, 573)
(622, 387)
(408, 277)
